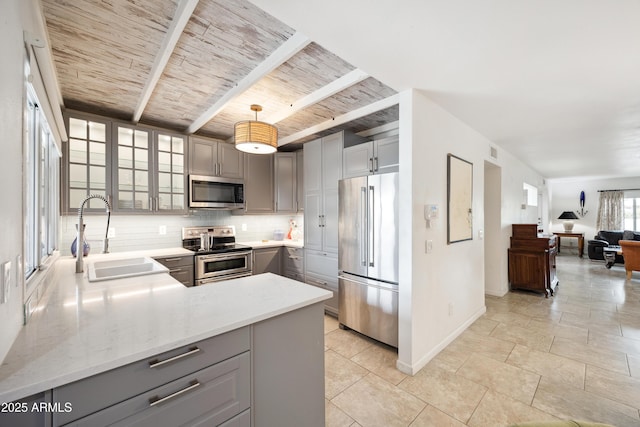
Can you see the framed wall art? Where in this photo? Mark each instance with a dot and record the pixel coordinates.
(459, 199)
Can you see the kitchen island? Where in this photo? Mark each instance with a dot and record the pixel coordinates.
(83, 329)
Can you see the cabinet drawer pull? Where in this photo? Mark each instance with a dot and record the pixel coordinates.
(176, 270)
(158, 400)
(157, 363)
(171, 259)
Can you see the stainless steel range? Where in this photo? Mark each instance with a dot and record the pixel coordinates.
(218, 256)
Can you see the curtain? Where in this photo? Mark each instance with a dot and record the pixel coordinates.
(610, 211)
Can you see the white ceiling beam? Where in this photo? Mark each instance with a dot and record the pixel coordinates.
(380, 129)
(340, 120)
(293, 45)
(344, 82)
(180, 20)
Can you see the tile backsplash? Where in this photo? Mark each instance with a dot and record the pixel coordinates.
(138, 232)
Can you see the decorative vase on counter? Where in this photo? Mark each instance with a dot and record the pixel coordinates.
(296, 234)
(85, 244)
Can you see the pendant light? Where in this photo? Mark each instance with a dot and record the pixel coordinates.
(252, 136)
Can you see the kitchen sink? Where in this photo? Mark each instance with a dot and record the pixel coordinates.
(126, 267)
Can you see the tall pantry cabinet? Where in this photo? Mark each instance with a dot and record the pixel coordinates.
(322, 171)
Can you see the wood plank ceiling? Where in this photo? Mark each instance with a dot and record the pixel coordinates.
(212, 59)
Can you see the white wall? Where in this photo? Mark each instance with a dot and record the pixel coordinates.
(442, 292)
(565, 196)
(13, 18)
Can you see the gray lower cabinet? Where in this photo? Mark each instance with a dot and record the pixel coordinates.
(180, 268)
(240, 420)
(209, 397)
(270, 373)
(288, 369)
(167, 380)
(267, 260)
(26, 412)
(293, 263)
(321, 270)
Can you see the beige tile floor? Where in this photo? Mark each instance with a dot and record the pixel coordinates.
(573, 356)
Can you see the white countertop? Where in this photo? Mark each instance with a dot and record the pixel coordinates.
(257, 244)
(81, 328)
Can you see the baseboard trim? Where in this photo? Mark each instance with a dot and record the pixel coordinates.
(412, 369)
(498, 294)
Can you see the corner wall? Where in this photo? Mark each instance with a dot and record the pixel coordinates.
(514, 174)
(443, 292)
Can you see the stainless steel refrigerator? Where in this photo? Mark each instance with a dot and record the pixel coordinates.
(368, 256)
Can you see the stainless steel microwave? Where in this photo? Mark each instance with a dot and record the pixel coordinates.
(214, 192)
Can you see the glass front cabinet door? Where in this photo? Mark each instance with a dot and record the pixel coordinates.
(150, 175)
(138, 169)
(87, 164)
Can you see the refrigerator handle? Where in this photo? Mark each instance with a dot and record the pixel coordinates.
(371, 226)
(363, 226)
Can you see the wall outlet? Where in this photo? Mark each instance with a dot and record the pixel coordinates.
(450, 309)
(112, 233)
(162, 230)
(243, 227)
(428, 246)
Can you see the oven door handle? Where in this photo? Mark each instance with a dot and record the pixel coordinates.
(220, 257)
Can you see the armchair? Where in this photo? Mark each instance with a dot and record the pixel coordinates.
(631, 254)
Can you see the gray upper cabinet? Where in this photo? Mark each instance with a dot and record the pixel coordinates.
(138, 169)
(286, 189)
(300, 179)
(322, 171)
(212, 157)
(133, 172)
(259, 185)
(148, 170)
(86, 161)
(373, 157)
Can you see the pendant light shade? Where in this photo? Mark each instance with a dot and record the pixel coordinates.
(252, 136)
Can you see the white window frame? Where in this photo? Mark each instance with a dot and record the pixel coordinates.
(42, 172)
(632, 201)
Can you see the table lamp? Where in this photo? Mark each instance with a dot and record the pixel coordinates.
(568, 216)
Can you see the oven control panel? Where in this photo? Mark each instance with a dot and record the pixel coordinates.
(213, 231)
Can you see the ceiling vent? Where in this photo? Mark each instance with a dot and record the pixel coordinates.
(494, 153)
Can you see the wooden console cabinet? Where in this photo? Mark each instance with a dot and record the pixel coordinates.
(532, 260)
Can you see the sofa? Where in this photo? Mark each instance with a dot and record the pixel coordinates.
(606, 238)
